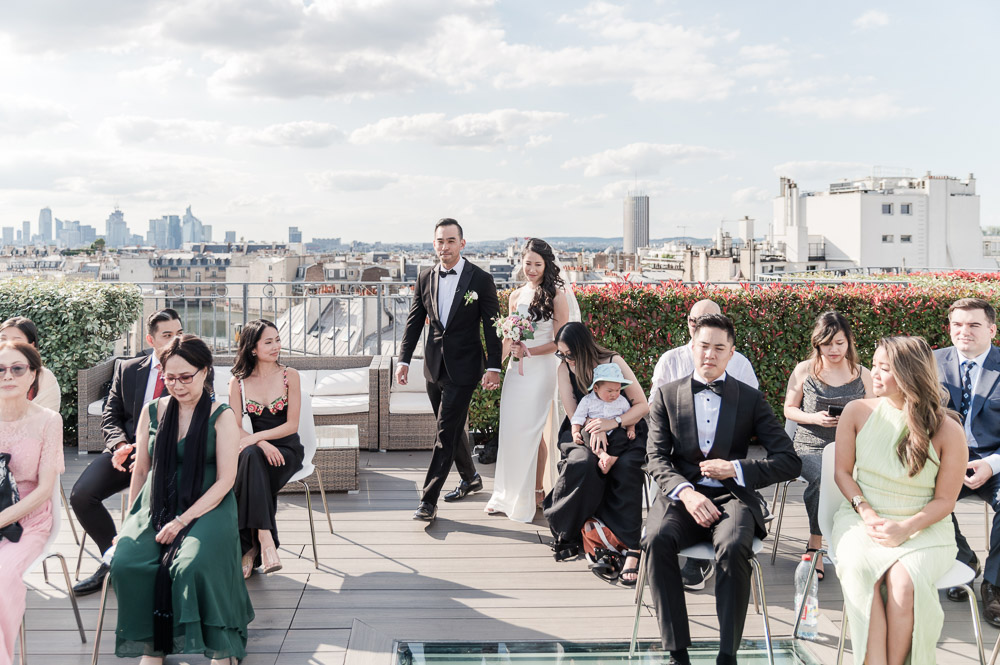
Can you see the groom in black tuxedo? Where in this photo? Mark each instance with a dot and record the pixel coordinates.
(456, 296)
(700, 428)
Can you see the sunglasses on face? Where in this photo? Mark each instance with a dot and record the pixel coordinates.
(564, 356)
(179, 378)
(16, 371)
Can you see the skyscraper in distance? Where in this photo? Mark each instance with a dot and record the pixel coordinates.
(636, 221)
(294, 235)
(45, 225)
(26, 233)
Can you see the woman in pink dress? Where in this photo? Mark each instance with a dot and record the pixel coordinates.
(32, 436)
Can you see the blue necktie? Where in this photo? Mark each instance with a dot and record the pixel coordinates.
(963, 409)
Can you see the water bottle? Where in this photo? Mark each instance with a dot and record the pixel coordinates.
(810, 612)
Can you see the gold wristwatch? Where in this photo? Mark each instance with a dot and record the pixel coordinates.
(857, 500)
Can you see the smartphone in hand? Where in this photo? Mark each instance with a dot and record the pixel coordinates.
(835, 410)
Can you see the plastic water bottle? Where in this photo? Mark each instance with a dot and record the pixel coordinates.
(810, 612)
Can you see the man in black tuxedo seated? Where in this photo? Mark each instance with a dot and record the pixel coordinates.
(697, 451)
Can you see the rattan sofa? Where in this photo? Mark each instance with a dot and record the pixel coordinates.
(92, 387)
(406, 420)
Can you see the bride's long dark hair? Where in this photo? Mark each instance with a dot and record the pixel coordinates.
(542, 306)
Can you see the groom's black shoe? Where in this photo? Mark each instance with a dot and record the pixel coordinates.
(425, 512)
(464, 489)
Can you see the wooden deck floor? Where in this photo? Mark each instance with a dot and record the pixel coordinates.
(468, 576)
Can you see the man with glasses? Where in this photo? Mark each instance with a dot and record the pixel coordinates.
(676, 364)
(135, 382)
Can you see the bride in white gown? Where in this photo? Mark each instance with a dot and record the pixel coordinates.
(527, 398)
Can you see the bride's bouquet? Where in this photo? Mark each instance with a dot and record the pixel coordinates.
(516, 328)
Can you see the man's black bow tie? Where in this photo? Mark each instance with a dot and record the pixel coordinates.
(714, 386)
(445, 273)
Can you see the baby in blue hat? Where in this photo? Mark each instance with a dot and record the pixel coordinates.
(605, 400)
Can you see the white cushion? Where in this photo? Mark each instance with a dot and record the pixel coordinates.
(415, 382)
(353, 381)
(410, 403)
(307, 379)
(332, 405)
(222, 376)
(96, 408)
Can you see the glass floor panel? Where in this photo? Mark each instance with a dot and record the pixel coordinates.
(753, 652)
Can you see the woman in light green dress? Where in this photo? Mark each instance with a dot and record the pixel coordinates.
(895, 536)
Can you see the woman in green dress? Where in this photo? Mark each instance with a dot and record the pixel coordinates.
(176, 567)
(900, 463)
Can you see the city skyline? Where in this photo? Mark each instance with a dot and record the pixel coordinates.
(369, 121)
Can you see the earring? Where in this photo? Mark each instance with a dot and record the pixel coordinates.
(254, 353)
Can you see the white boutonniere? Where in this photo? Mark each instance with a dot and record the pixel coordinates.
(470, 297)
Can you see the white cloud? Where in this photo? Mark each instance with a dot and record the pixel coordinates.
(871, 108)
(353, 181)
(302, 134)
(502, 126)
(642, 158)
(536, 140)
(157, 74)
(128, 130)
(872, 18)
(749, 195)
(819, 170)
(25, 116)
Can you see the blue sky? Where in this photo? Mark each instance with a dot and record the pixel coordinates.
(370, 119)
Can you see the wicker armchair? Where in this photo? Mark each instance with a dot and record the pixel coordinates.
(92, 386)
(368, 421)
(409, 423)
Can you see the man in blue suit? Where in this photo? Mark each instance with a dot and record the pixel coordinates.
(970, 371)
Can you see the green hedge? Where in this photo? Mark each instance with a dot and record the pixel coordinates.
(78, 324)
(773, 324)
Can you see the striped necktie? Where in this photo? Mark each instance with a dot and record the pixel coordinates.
(963, 409)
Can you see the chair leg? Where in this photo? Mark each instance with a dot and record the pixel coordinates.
(69, 515)
(72, 596)
(996, 652)
(753, 593)
(976, 627)
(774, 504)
(781, 514)
(322, 494)
(987, 521)
(640, 585)
(45, 571)
(24, 657)
(124, 506)
(79, 556)
(843, 634)
(312, 527)
(763, 603)
(100, 620)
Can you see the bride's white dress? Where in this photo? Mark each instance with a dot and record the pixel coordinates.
(525, 402)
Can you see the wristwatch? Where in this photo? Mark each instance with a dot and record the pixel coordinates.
(857, 500)
(618, 419)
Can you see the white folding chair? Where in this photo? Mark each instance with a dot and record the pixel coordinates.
(46, 554)
(830, 500)
(706, 551)
(307, 435)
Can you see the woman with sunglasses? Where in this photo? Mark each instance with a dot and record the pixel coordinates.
(22, 329)
(32, 437)
(271, 397)
(176, 565)
(583, 490)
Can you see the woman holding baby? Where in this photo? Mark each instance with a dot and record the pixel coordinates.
(601, 469)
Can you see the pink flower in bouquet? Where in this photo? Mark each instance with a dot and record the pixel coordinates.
(515, 327)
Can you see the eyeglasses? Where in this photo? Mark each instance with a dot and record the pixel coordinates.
(564, 356)
(180, 378)
(15, 370)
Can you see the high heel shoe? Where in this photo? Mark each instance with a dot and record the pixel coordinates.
(271, 562)
(539, 497)
(248, 560)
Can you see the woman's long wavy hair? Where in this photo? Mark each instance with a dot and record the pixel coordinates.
(587, 353)
(828, 324)
(246, 361)
(542, 305)
(913, 367)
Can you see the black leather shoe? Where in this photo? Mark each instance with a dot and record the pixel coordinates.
(991, 603)
(93, 583)
(426, 512)
(464, 489)
(679, 657)
(957, 593)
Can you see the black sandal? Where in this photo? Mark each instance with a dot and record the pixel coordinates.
(633, 554)
(819, 573)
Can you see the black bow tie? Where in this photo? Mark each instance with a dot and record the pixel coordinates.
(445, 273)
(714, 386)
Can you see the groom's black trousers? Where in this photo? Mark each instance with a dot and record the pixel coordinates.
(451, 406)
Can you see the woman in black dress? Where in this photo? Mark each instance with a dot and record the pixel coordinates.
(271, 453)
(582, 490)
